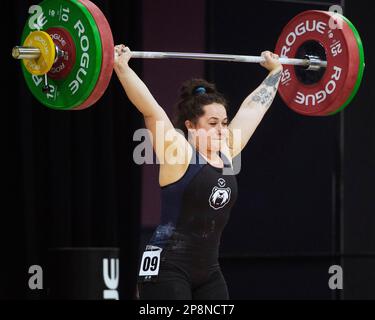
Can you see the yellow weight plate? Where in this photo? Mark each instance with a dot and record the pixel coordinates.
(42, 65)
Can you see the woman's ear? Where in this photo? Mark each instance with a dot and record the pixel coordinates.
(189, 125)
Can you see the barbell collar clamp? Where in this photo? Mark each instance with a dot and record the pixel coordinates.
(314, 63)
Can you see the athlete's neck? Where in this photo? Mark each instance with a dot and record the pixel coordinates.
(210, 156)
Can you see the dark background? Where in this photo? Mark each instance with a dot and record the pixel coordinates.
(306, 185)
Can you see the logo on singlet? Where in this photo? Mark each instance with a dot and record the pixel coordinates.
(220, 195)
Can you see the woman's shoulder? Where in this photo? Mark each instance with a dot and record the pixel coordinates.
(174, 168)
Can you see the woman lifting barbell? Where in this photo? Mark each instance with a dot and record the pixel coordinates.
(181, 260)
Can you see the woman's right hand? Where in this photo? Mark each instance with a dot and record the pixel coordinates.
(122, 57)
(271, 62)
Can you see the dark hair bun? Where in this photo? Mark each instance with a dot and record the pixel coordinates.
(196, 87)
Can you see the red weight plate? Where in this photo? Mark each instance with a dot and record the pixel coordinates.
(108, 54)
(64, 65)
(340, 77)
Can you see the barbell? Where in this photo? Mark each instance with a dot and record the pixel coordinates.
(68, 53)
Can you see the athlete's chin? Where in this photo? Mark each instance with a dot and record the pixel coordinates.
(215, 146)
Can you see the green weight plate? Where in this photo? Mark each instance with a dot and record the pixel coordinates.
(73, 16)
(361, 66)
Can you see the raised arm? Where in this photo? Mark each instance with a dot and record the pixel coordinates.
(141, 97)
(255, 106)
(134, 87)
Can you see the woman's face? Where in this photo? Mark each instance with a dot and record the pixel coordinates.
(211, 130)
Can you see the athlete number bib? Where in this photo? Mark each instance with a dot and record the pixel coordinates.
(150, 264)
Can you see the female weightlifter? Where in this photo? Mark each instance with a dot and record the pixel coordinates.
(197, 187)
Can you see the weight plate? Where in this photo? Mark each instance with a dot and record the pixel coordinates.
(340, 77)
(44, 63)
(64, 64)
(78, 85)
(107, 54)
(361, 67)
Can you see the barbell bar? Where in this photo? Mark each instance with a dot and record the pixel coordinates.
(34, 53)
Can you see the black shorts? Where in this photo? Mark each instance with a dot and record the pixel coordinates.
(175, 283)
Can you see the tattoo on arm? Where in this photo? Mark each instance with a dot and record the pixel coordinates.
(272, 80)
(264, 96)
